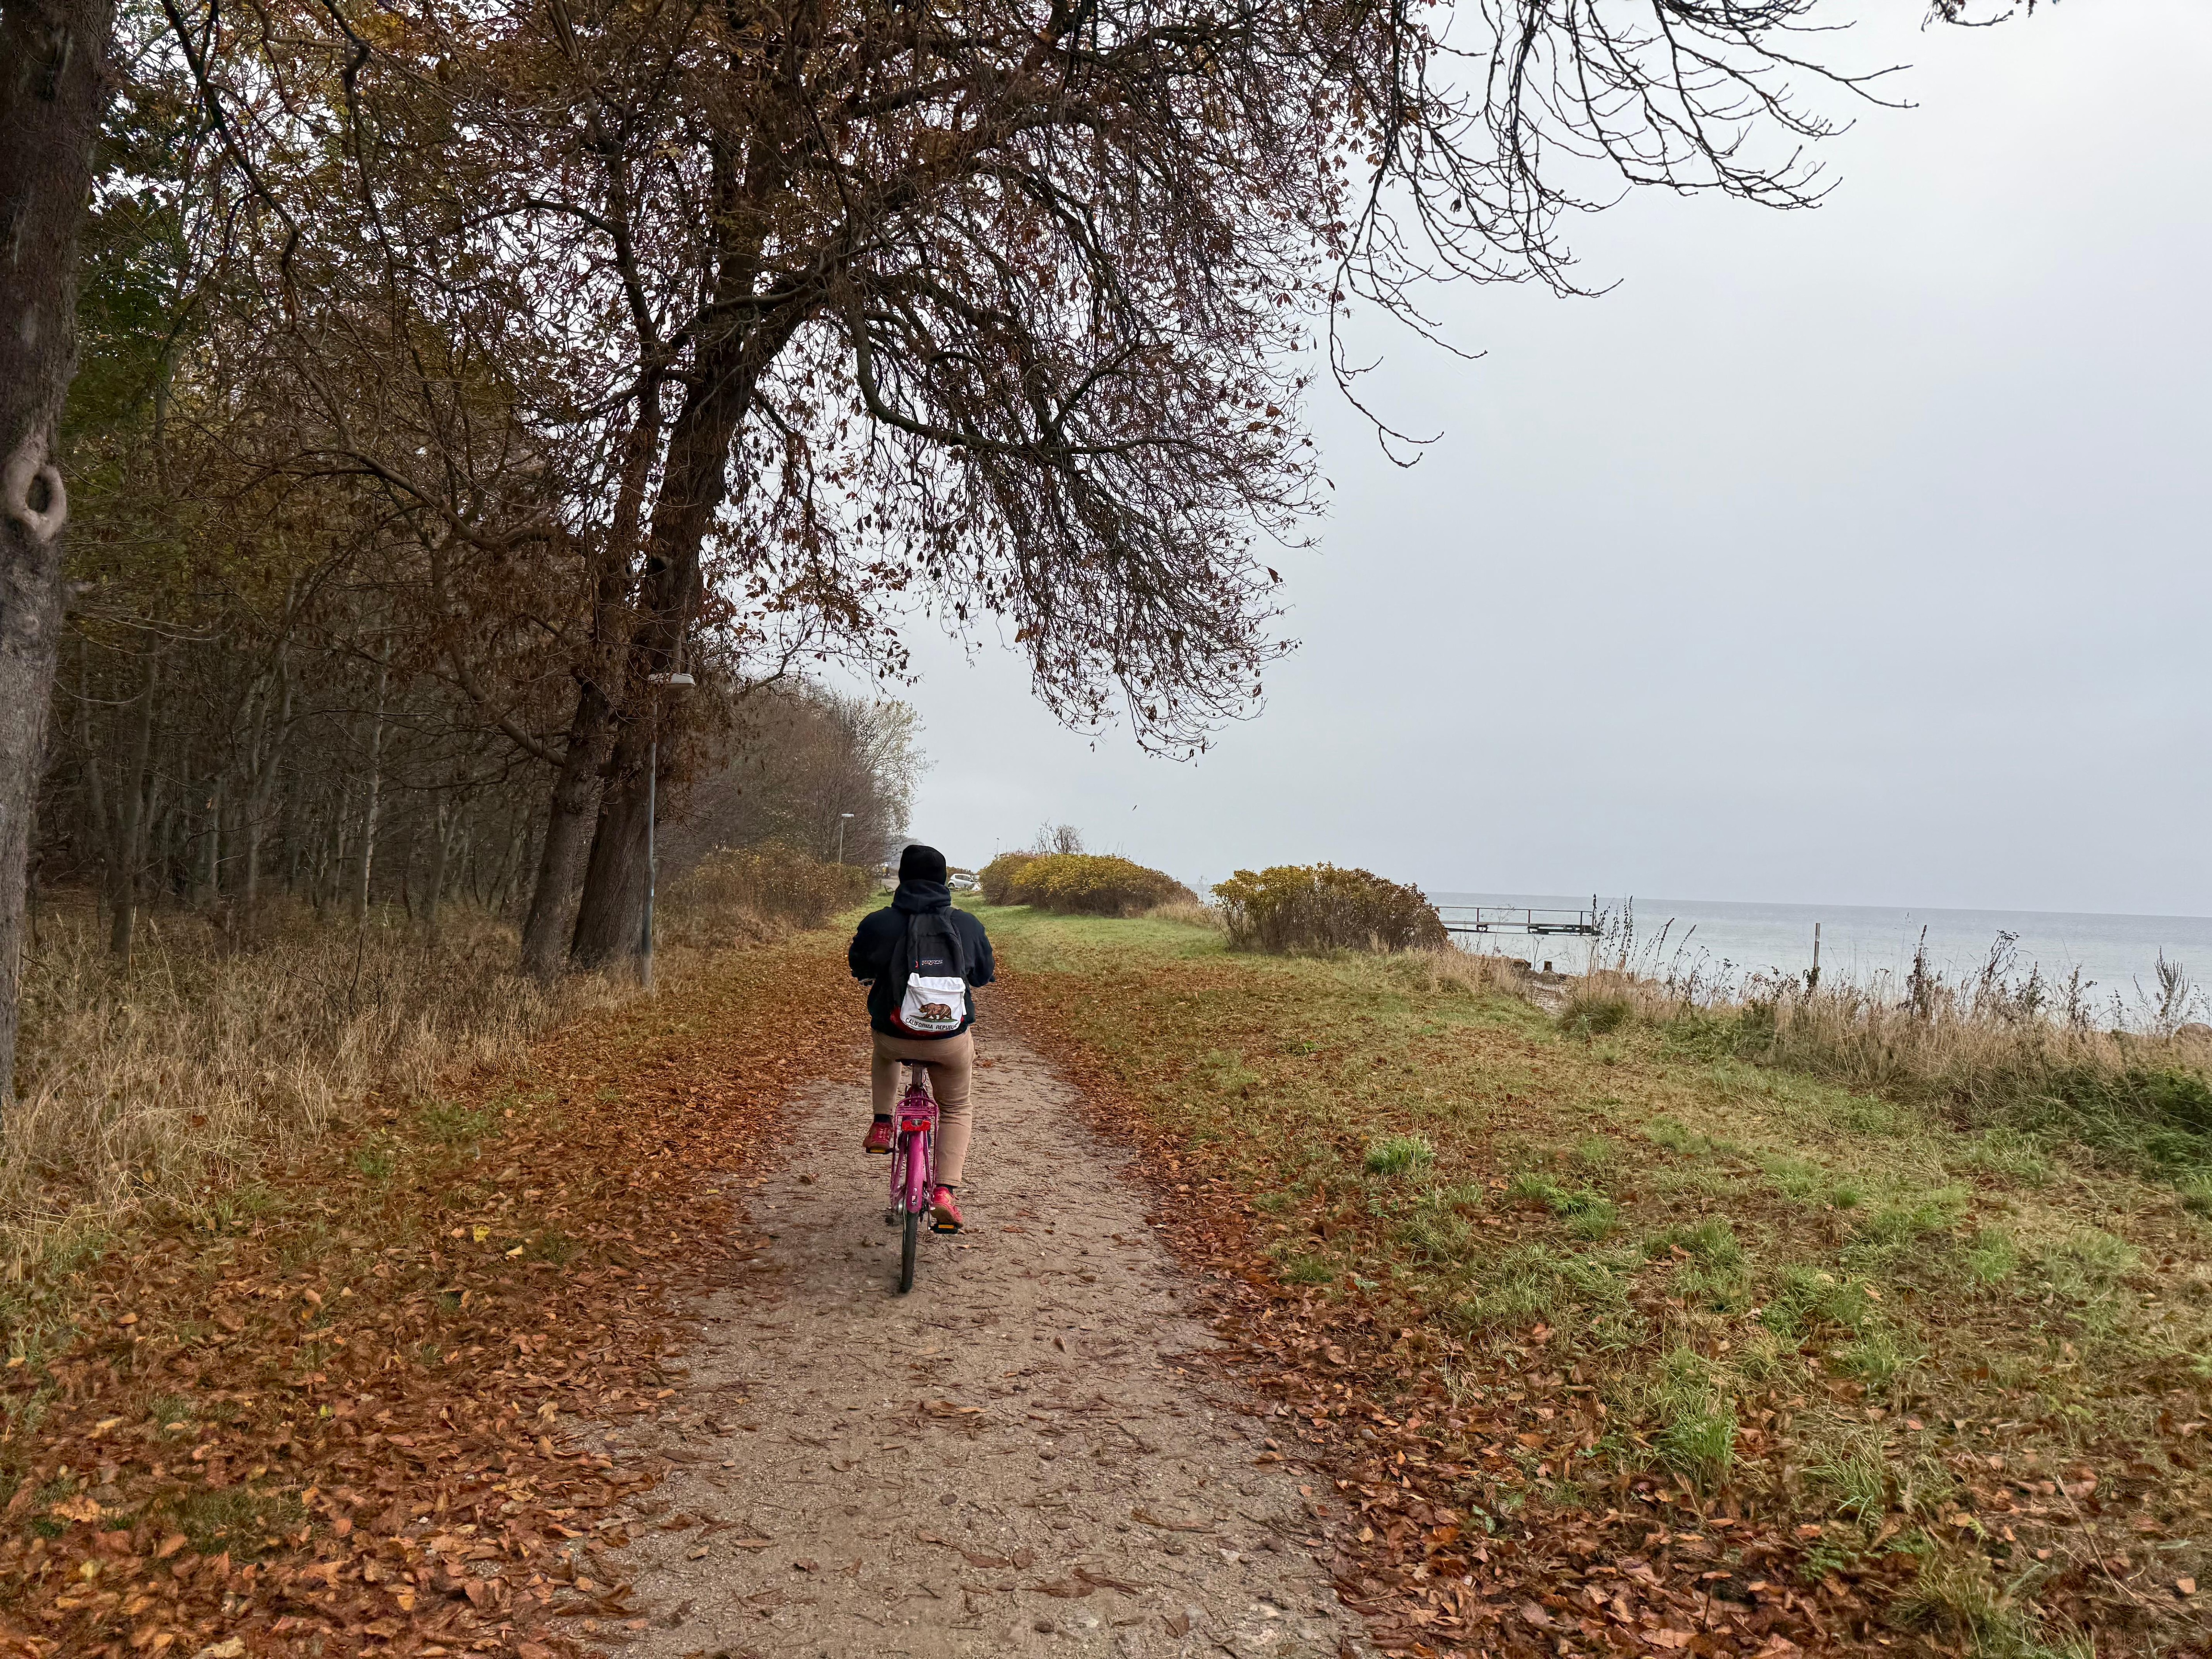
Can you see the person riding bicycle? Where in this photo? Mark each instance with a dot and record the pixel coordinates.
(920, 959)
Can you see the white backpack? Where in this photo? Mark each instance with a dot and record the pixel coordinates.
(933, 964)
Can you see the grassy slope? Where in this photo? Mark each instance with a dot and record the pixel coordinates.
(1963, 1375)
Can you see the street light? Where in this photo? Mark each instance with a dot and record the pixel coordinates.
(841, 817)
(678, 682)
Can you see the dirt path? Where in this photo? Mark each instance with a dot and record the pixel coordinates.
(1009, 1461)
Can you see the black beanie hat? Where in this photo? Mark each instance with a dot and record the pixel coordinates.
(920, 863)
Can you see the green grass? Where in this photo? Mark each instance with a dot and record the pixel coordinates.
(1588, 1212)
(376, 1159)
(457, 1124)
(235, 1518)
(2196, 1195)
(1531, 1284)
(1595, 1016)
(1851, 1476)
(1765, 1274)
(1397, 1155)
(1993, 1257)
(1696, 1418)
(1303, 1269)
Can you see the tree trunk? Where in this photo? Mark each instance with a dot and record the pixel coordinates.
(334, 850)
(52, 59)
(375, 799)
(414, 845)
(610, 916)
(439, 853)
(591, 736)
(267, 748)
(134, 808)
(100, 830)
(598, 691)
(208, 879)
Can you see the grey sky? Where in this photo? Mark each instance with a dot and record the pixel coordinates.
(1857, 556)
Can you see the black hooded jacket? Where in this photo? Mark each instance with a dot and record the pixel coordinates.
(878, 935)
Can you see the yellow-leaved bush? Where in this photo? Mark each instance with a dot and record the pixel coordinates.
(1080, 884)
(996, 878)
(1318, 907)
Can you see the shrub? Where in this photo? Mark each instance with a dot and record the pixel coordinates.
(1318, 907)
(1084, 885)
(997, 878)
(733, 888)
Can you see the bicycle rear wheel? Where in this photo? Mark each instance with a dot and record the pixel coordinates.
(906, 1251)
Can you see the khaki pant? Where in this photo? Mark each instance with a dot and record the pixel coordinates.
(950, 1063)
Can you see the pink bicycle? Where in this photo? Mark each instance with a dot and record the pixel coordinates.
(913, 1168)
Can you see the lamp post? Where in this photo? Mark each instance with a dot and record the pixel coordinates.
(841, 817)
(673, 682)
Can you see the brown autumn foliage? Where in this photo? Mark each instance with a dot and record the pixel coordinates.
(1005, 310)
(342, 1414)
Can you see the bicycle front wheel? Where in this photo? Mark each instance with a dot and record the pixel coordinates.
(907, 1250)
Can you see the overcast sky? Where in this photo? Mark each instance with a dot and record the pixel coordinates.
(1849, 556)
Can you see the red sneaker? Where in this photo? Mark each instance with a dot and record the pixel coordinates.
(943, 1213)
(880, 1136)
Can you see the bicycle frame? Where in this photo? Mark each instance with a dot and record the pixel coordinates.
(913, 1168)
(913, 1158)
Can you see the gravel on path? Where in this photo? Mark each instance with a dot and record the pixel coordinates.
(1023, 1456)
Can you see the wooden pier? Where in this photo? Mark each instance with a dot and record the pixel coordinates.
(1519, 919)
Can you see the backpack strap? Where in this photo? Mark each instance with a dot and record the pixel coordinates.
(959, 945)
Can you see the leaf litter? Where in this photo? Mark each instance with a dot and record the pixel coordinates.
(357, 1422)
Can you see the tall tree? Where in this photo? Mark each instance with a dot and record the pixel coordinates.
(1004, 305)
(1007, 304)
(569, 333)
(53, 82)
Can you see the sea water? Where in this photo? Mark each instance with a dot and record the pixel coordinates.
(1730, 942)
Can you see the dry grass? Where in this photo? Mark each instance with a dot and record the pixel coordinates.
(1191, 913)
(736, 895)
(1983, 1053)
(167, 1085)
(172, 1085)
(1446, 965)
